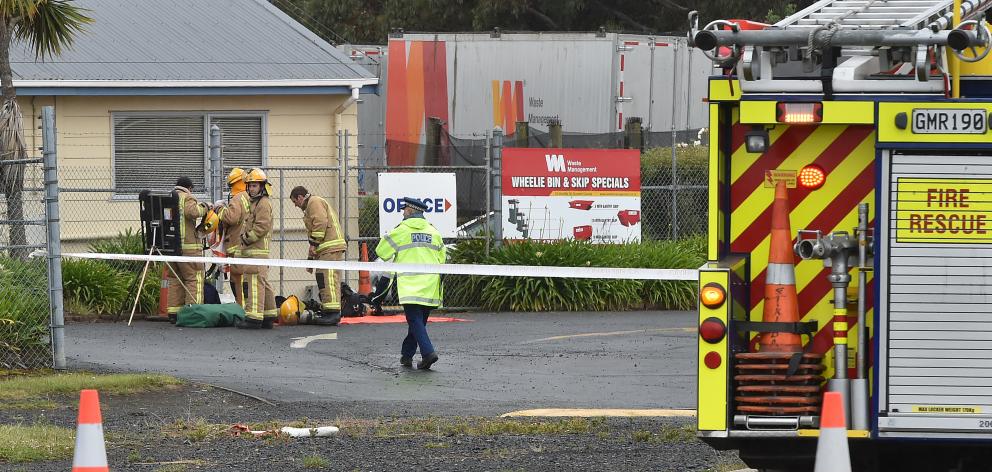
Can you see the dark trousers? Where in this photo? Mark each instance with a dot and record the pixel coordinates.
(416, 335)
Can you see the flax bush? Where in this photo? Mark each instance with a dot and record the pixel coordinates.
(563, 294)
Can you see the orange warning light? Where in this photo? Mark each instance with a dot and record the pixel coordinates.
(712, 295)
(812, 177)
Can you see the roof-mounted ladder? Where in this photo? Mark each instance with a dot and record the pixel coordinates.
(847, 46)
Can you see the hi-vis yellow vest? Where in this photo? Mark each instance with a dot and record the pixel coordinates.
(415, 241)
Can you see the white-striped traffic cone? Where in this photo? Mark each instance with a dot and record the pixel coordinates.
(832, 454)
(91, 452)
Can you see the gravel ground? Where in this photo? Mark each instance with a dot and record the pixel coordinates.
(161, 431)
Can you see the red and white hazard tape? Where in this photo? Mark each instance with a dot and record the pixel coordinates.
(453, 269)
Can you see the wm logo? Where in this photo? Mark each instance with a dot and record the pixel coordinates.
(508, 104)
(556, 162)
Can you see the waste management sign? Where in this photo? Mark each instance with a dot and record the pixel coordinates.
(437, 190)
(948, 211)
(584, 194)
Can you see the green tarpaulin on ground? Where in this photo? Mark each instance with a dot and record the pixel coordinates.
(210, 316)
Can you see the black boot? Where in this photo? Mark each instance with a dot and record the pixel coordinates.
(248, 323)
(427, 361)
(327, 318)
(406, 361)
(268, 322)
(172, 318)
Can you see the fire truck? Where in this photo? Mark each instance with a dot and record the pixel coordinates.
(850, 234)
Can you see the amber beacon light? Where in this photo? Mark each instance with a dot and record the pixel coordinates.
(712, 295)
(812, 177)
(799, 113)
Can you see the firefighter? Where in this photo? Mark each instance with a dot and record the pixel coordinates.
(258, 298)
(185, 279)
(232, 215)
(415, 241)
(326, 244)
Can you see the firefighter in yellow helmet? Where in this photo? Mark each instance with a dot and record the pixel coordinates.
(326, 244)
(258, 298)
(233, 215)
(185, 279)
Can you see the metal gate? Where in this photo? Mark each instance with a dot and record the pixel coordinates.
(936, 294)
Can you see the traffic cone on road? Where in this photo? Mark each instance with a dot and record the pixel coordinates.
(364, 283)
(90, 454)
(781, 302)
(832, 454)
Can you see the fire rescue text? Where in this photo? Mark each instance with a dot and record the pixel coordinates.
(963, 222)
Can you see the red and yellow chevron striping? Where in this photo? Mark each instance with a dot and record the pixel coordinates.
(847, 154)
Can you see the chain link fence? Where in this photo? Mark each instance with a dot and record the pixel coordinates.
(24, 305)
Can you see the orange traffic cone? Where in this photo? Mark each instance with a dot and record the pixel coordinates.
(163, 298)
(364, 283)
(781, 303)
(91, 453)
(832, 454)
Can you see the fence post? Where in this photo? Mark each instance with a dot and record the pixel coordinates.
(282, 226)
(216, 190)
(522, 136)
(496, 151)
(57, 313)
(674, 193)
(433, 146)
(555, 133)
(344, 201)
(489, 190)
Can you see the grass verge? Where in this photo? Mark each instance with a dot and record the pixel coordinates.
(27, 443)
(30, 389)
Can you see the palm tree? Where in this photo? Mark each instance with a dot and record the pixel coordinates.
(46, 26)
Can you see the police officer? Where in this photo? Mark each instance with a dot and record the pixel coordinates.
(326, 244)
(233, 215)
(185, 279)
(415, 241)
(258, 297)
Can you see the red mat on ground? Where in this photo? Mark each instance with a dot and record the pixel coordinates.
(394, 319)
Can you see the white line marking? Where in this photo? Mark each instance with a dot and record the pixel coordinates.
(301, 342)
(595, 412)
(613, 333)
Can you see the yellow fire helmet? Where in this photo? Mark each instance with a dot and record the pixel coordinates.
(289, 311)
(208, 224)
(236, 180)
(256, 175)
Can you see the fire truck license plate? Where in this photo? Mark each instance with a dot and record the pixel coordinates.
(945, 121)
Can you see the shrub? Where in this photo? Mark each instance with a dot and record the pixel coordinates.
(691, 170)
(23, 312)
(94, 286)
(368, 216)
(128, 242)
(548, 294)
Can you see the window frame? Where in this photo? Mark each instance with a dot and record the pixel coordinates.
(207, 117)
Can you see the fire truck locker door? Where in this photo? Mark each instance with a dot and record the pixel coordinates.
(936, 294)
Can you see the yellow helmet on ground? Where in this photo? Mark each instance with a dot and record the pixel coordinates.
(208, 224)
(236, 180)
(289, 311)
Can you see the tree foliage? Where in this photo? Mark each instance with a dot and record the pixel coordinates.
(369, 21)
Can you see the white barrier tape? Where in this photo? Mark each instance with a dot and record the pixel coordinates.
(453, 269)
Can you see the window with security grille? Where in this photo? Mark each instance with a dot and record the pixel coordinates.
(151, 151)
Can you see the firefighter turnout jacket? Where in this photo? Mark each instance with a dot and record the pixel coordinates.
(233, 217)
(323, 228)
(415, 241)
(190, 211)
(257, 231)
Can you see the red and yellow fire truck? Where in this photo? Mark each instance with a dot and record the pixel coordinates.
(850, 234)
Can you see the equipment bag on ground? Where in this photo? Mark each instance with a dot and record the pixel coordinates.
(210, 316)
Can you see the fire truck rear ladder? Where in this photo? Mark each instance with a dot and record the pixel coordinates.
(848, 46)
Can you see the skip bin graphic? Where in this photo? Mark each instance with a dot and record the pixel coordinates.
(580, 204)
(582, 233)
(629, 217)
